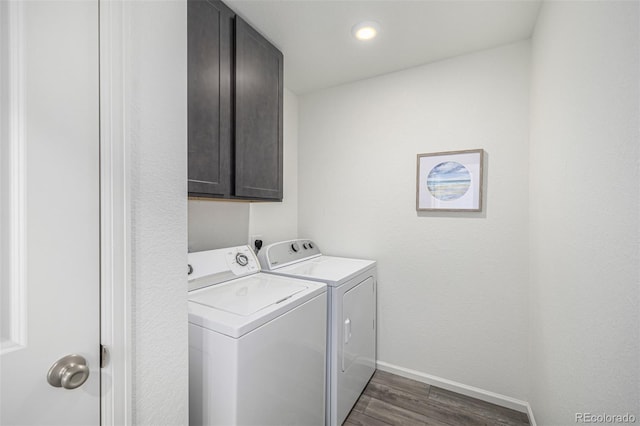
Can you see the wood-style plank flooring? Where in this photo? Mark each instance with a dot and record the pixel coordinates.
(393, 400)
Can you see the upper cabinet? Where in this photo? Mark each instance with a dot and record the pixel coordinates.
(258, 115)
(210, 60)
(235, 92)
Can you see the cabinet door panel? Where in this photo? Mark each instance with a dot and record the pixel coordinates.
(210, 32)
(258, 115)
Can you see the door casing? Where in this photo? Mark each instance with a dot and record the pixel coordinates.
(115, 220)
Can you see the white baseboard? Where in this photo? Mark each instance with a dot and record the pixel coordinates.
(532, 419)
(461, 388)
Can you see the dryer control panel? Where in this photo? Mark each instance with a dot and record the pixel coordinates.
(285, 253)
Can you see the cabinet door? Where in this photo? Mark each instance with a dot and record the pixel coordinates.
(210, 32)
(258, 115)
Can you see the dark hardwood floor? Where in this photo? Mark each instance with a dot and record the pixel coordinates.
(393, 400)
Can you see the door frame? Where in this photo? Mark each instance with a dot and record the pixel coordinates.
(116, 322)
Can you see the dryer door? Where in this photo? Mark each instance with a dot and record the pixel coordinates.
(358, 354)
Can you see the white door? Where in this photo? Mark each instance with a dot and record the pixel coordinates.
(49, 176)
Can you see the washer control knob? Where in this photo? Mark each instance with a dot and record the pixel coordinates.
(304, 246)
(295, 247)
(242, 259)
(310, 245)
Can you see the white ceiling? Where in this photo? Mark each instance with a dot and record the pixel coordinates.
(319, 51)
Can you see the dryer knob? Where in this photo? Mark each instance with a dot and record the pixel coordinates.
(310, 245)
(295, 247)
(304, 246)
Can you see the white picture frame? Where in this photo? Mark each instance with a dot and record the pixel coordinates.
(450, 181)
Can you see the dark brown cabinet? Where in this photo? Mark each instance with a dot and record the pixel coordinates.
(235, 95)
(210, 59)
(258, 115)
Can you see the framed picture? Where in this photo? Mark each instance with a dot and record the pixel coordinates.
(450, 181)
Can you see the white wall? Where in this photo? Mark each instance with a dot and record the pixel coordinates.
(156, 117)
(452, 286)
(218, 224)
(584, 211)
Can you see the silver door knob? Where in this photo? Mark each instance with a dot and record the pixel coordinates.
(68, 372)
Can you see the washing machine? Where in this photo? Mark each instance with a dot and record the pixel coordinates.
(351, 314)
(257, 343)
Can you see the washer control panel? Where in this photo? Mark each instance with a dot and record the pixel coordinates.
(211, 267)
(242, 261)
(284, 253)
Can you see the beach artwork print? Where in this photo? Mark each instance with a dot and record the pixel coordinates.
(450, 181)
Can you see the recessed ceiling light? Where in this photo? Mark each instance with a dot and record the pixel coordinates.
(365, 30)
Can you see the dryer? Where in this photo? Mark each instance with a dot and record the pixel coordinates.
(351, 314)
(257, 343)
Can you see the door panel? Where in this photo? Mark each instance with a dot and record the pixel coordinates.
(357, 354)
(209, 42)
(50, 114)
(358, 314)
(258, 115)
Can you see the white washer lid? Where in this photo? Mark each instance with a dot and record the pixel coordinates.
(232, 315)
(248, 296)
(329, 269)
